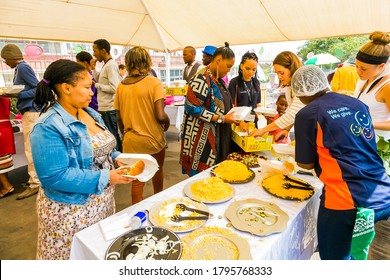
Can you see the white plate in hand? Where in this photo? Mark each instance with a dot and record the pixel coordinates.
(151, 165)
(12, 90)
(240, 113)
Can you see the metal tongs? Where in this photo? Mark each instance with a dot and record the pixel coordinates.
(301, 185)
(289, 186)
(204, 215)
(178, 218)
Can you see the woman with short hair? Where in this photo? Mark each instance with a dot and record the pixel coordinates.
(139, 101)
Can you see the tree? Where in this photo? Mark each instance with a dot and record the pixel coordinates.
(341, 47)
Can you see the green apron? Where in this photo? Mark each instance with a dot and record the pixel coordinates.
(363, 233)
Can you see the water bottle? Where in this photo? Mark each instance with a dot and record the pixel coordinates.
(137, 220)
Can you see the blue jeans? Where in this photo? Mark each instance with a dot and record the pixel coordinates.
(109, 118)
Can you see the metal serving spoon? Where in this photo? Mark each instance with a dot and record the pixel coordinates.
(184, 207)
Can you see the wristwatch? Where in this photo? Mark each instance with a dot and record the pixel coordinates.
(221, 119)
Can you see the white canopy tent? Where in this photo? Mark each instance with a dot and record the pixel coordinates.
(169, 25)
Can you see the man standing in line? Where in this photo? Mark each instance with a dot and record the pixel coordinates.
(107, 81)
(208, 53)
(191, 65)
(24, 75)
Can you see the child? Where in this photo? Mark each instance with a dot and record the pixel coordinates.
(281, 107)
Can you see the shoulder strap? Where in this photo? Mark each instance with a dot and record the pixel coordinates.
(382, 85)
(371, 87)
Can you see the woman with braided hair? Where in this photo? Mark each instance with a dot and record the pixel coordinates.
(245, 88)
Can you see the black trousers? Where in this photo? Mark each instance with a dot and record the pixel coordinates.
(109, 118)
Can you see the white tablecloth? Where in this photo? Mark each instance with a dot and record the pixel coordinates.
(175, 114)
(297, 241)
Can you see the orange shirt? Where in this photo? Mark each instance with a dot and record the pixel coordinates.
(135, 103)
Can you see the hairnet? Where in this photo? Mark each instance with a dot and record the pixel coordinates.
(308, 80)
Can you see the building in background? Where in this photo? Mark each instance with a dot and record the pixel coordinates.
(39, 54)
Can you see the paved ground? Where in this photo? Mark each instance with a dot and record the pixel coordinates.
(18, 230)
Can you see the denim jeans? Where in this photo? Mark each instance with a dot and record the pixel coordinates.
(109, 118)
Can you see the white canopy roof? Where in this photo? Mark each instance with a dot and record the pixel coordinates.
(173, 24)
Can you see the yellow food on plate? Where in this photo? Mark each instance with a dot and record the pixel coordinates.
(292, 143)
(211, 189)
(274, 185)
(168, 209)
(213, 243)
(231, 171)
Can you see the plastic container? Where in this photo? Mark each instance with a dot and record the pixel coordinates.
(137, 220)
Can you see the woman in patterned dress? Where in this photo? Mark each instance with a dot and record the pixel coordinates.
(206, 129)
(74, 155)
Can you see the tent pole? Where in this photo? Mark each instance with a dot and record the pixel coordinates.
(168, 58)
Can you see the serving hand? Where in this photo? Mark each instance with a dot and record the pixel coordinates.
(257, 132)
(281, 135)
(230, 119)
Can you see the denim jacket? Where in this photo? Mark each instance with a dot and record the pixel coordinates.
(63, 157)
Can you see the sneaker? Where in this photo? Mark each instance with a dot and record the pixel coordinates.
(27, 193)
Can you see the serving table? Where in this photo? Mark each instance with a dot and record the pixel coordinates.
(297, 241)
(175, 114)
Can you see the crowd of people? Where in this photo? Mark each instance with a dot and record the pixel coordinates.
(77, 121)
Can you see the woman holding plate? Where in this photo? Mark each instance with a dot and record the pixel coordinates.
(74, 155)
(206, 129)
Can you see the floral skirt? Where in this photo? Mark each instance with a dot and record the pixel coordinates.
(58, 222)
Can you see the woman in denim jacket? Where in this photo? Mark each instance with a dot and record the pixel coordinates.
(74, 156)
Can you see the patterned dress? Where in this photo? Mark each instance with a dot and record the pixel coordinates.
(58, 222)
(204, 142)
